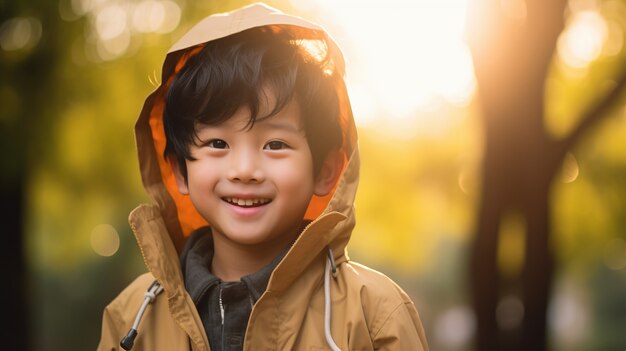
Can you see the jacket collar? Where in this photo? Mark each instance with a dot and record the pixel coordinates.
(196, 262)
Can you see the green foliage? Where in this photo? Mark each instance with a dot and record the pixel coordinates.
(410, 199)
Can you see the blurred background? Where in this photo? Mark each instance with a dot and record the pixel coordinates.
(493, 182)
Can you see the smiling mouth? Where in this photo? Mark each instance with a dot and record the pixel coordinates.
(256, 202)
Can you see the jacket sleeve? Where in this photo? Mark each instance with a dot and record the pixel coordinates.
(119, 315)
(402, 330)
(110, 336)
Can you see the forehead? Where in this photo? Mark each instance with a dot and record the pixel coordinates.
(288, 119)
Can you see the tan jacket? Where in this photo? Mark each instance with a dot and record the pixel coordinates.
(365, 309)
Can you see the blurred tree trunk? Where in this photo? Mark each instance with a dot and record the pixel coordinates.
(11, 218)
(28, 96)
(14, 315)
(512, 52)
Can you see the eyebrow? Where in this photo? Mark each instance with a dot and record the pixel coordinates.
(288, 127)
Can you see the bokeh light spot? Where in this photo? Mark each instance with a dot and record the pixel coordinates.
(148, 16)
(570, 169)
(105, 241)
(20, 33)
(110, 22)
(156, 16)
(509, 313)
(468, 180)
(114, 47)
(454, 327)
(172, 17)
(569, 316)
(66, 11)
(582, 40)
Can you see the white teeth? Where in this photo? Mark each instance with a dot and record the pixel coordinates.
(246, 202)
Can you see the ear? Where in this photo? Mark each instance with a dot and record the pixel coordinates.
(329, 172)
(181, 182)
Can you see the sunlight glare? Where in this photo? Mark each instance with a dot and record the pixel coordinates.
(515, 9)
(582, 40)
(409, 55)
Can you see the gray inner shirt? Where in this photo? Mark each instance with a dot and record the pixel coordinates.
(213, 296)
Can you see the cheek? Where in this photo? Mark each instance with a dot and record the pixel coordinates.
(201, 175)
(296, 176)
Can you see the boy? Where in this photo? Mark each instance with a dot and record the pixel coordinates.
(249, 150)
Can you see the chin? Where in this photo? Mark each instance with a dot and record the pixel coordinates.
(249, 239)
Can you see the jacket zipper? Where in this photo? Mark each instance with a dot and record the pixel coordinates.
(221, 307)
(221, 313)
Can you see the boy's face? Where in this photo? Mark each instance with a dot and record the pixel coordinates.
(253, 186)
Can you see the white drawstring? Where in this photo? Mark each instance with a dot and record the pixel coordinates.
(154, 290)
(330, 262)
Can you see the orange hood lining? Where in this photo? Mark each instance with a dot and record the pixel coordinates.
(188, 218)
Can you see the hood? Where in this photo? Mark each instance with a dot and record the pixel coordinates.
(332, 215)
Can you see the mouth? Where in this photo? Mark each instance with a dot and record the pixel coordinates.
(250, 202)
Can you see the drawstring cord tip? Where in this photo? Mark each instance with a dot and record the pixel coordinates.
(153, 290)
(129, 340)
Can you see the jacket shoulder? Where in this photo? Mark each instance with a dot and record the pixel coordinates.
(119, 315)
(392, 319)
(375, 284)
(129, 300)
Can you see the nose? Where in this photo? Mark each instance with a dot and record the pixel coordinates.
(245, 167)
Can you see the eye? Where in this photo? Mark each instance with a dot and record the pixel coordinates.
(217, 144)
(276, 145)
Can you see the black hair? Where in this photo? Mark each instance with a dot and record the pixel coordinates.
(231, 72)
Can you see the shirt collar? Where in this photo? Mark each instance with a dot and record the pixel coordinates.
(196, 262)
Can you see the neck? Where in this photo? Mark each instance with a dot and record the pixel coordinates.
(231, 261)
